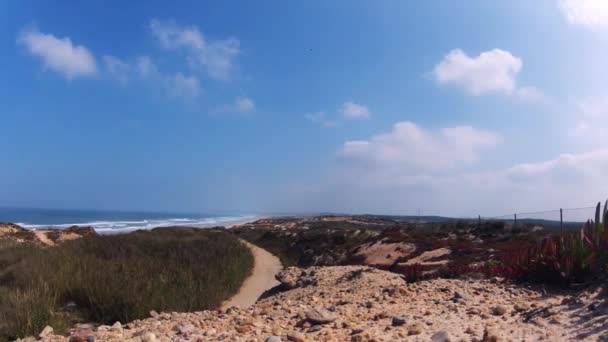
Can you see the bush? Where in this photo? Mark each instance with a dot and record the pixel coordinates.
(570, 257)
(118, 277)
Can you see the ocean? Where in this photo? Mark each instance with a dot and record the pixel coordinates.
(113, 221)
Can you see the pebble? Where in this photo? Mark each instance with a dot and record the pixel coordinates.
(441, 336)
(320, 316)
(499, 310)
(398, 320)
(273, 339)
(296, 336)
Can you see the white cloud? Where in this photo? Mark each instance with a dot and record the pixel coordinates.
(591, 119)
(144, 69)
(316, 117)
(117, 68)
(351, 110)
(409, 149)
(391, 184)
(491, 71)
(592, 14)
(179, 85)
(216, 57)
(59, 54)
(240, 105)
(530, 93)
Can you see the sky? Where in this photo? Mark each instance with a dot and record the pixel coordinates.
(387, 107)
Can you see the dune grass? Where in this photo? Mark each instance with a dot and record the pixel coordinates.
(117, 278)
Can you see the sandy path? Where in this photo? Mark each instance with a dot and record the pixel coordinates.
(41, 235)
(265, 267)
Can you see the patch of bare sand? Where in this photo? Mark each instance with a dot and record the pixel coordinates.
(380, 253)
(429, 258)
(41, 235)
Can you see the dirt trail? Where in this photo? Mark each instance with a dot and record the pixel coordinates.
(265, 267)
(41, 235)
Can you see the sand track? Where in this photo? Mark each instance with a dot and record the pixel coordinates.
(262, 278)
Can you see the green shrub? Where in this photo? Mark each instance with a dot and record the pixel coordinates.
(119, 277)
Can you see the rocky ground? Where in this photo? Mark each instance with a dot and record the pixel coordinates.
(358, 303)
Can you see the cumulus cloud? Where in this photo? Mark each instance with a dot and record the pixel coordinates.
(591, 117)
(351, 110)
(241, 105)
(490, 71)
(144, 69)
(117, 69)
(216, 57)
(179, 85)
(567, 181)
(59, 54)
(592, 14)
(409, 148)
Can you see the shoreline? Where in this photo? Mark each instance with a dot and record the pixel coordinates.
(227, 224)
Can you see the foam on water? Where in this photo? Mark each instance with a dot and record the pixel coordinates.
(124, 226)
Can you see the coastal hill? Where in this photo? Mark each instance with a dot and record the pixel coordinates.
(366, 278)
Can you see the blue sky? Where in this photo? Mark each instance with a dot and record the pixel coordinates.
(303, 106)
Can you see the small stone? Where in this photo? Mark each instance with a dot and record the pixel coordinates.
(117, 327)
(154, 314)
(490, 335)
(519, 307)
(499, 310)
(357, 338)
(320, 316)
(243, 329)
(184, 328)
(296, 336)
(148, 337)
(415, 329)
(90, 339)
(398, 320)
(45, 332)
(314, 328)
(441, 336)
(272, 339)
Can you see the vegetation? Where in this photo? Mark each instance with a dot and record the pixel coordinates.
(315, 246)
(117, 278)
(567, 258)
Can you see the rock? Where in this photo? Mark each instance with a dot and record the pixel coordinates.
(45, 332)
(116, 327)
(415, 329)
(154, 314)
(243, 329)
(398, 320)
(148, 337)
(320, 316)
(441, 336)
(184, 328)
(314, 328)
(272, 339)
(296, 336)
(519, 307)
(490, 335)
(499, 310)
(461, 295)
(357, 338)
